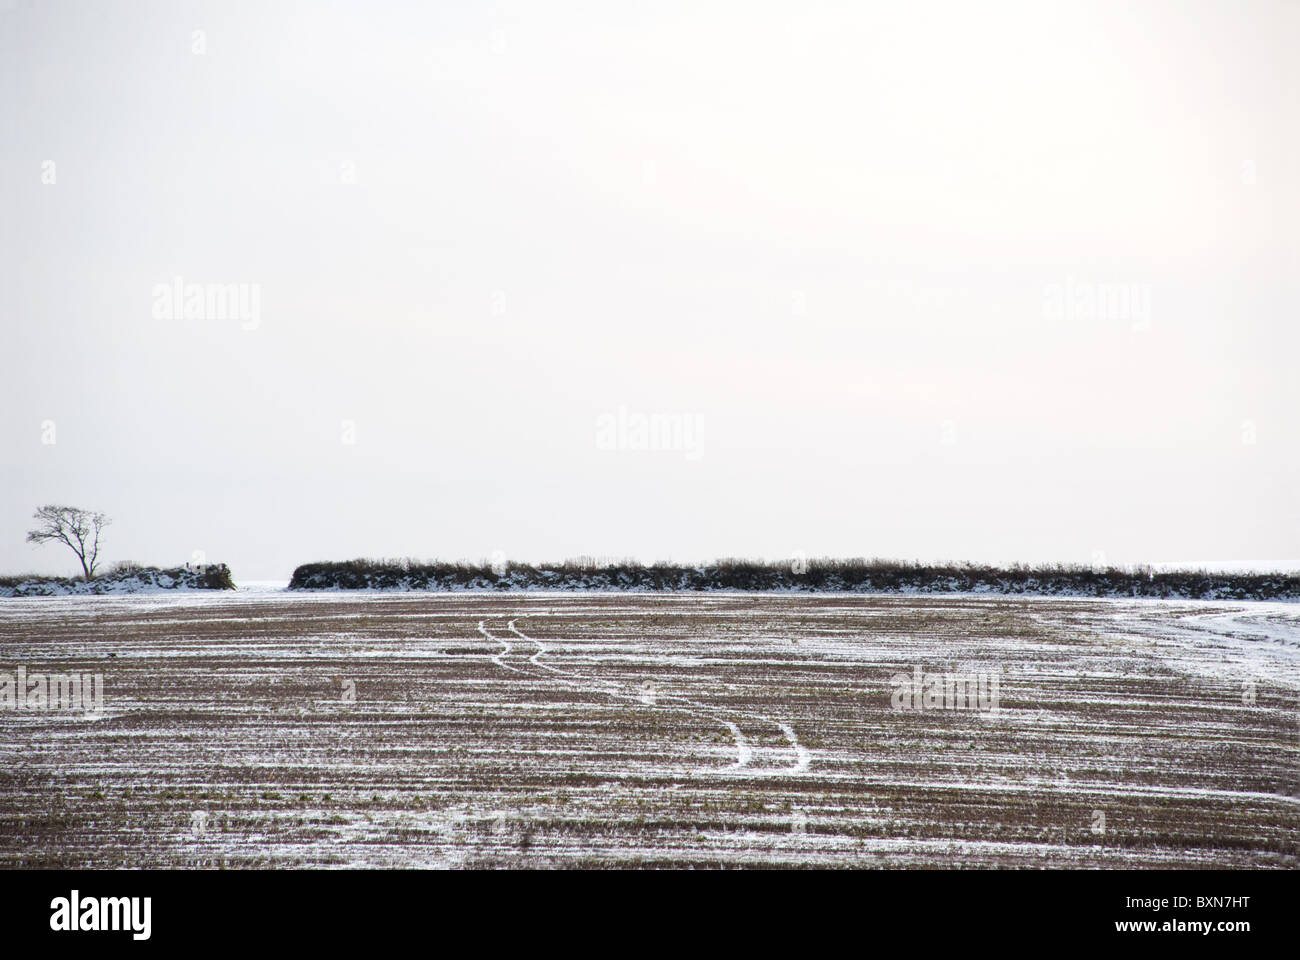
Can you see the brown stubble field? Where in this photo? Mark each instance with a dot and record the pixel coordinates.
(624, 730)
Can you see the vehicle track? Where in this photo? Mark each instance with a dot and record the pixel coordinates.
(504, 653)
(802, 757)
(609, 688)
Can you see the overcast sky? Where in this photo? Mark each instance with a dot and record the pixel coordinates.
(991, 282)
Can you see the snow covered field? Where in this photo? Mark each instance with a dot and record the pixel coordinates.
(265, 728)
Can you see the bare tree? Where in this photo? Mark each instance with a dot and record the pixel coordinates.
(77, 528)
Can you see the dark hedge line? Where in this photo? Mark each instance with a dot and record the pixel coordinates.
(127, 579)
(824, 575)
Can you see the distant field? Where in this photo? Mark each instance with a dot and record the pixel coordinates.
(463, 730)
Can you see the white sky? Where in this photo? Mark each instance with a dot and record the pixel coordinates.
(829, 234)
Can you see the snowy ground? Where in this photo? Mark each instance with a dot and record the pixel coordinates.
(266, 728)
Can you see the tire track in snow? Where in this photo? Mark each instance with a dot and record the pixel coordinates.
(504, 653)
(802, 756)
(613, 689)
(743, 753)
